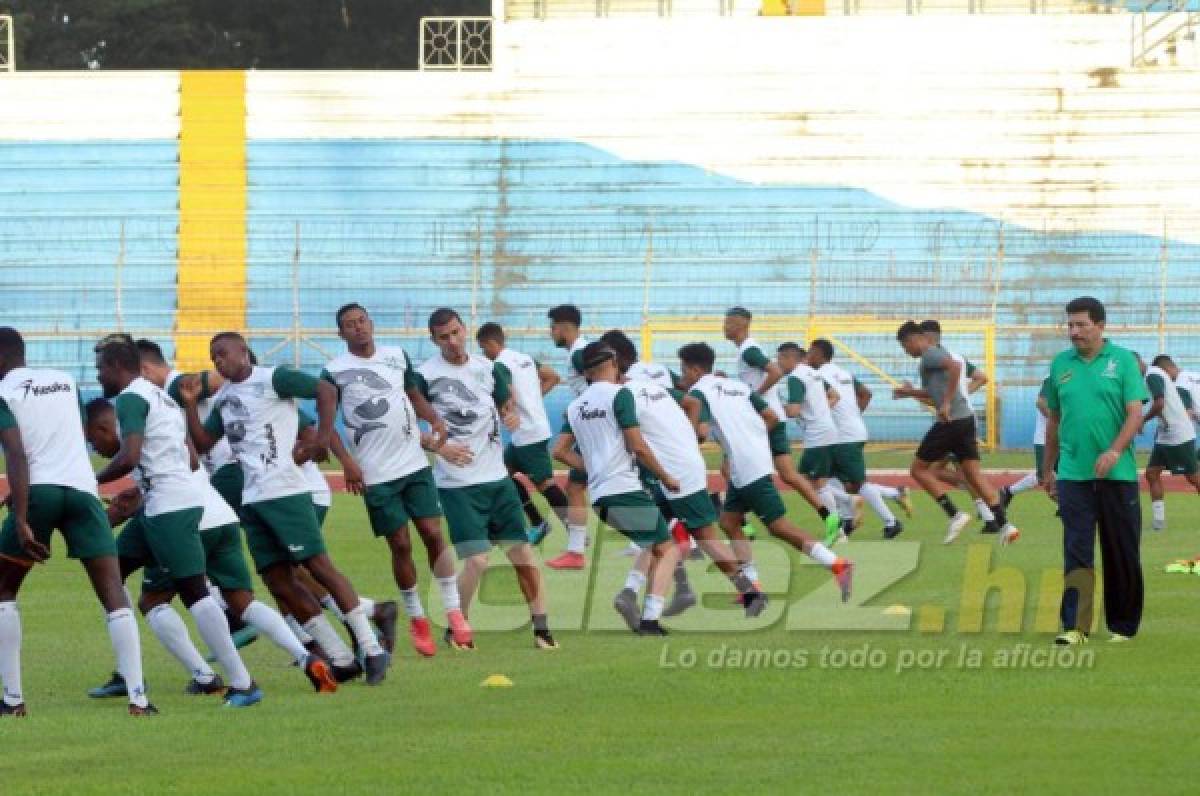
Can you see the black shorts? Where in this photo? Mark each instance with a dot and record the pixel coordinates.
(955, 438)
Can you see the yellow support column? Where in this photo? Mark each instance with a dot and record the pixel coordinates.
(211, 288)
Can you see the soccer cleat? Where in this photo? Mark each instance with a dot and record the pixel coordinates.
(683, 599)
(1119, 638)
(1070, 638)
(833, 526)
(376, 666)
(385, 622)
(197, 688)
(904, 500)
(1009, 534)
(893, 530)
(543, 640)
(320, 675)
(859, 512)
(115, 687)
(568, 560)
(138, 710)
(1006, 496)
(241, 638)
(755, 602)
(16, 711)
(538, 534)
(421, 634)
(990, 526)
(651, 627)
(626, 603)
(243, 697)
(1181, 567)
(957, 523)
(843, 573)
(344, 674)
(461, 637)
(1157, 524)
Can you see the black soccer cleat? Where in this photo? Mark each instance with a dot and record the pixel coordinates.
(385, 622)
(893, 530)
(149, 710)
(377, 666)
(344, 674)
(543, 640)
(651, 627)
(990, 527)
(16, 711)
(196, 688)
(755, 602)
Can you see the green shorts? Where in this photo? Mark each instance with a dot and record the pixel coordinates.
(576, 476)
(482, 515)
(780, 444)
(228, 480)
(849, 463)
(817, 463)
(1038, 452)
(78, 516)
(283, 529)
(635, 515)
(224, 562)
(169, 541)
(695, 510)
(1178, 459)
(532, 460)
(322, 512)
(760, 497)
(392, 504)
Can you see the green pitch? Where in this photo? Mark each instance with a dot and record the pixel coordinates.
(721, 707)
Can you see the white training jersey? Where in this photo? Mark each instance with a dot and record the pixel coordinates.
(261, 426)
(597, 419)
(381, 425)
(164, 471)
(847, 417)
(463, 396)
(317, 483)
(217, 513)
(755, 375)
(44, 405)
(741, 430)
(1190, 381)
(1175, 425)
(527, 394)
(669, 433)
(575, 379)
(221, 454)
(815, 416)
(648, 371)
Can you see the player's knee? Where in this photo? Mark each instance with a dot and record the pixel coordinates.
(400, 544)
(191, 589)
(148, 600)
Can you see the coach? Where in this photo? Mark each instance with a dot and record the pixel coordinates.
(1095, 395)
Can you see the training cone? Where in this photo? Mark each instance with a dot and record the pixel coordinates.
(897, 610)
(496, 681)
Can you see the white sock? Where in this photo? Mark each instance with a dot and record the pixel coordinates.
(267, 621)
(319, 628)
(127, 646)
(827, 498)
(368, 605)
(1024, 485)
(985, 513)
(330, 605)
(635, 580)
(750, 571)
(412, 603)
(653, 608)
(448, 588)
(360, 626)
(845, 504)
(874, 498)
(822, 555)
(170, 630)
(837, 487)
(10, 653)
(576, 538)
(888, 492)
(1158, 509)
(300, 633)
(215, 593)
(214, 629)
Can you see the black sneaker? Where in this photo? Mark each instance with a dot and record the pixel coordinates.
(197, 688)
(385, 622)
(376, 666)
(683, 599)
(16, 711)
(149, 710)
(626, 603)
(651, 627)
(755, 602)
(990, 527)
(847, 527)
(115, 687)
(893, 530)
(344, 674)
(543, 640)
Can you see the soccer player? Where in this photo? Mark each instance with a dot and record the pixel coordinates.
(256, 409)
(762, 375)
(849, 464)
(1037, 477)
(565, 321)
(952, 433)
(741, 417)
(385, 462)
(52, 486)
(665, 418)
(528, 452)
(482, 507)
(225, 566)
(154, 450)
(1174, 439)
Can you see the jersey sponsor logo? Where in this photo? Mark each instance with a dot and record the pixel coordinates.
(296, 548)
(652, 395)
(367, 414)
(591, 414)
(272, 452)
(1066, 376)
(38, 390)
(1110, 370)
(732, 392)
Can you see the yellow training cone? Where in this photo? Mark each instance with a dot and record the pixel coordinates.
(496, 681)
(897, 610)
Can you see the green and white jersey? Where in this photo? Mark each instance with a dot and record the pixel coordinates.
(597, 419)
(522, 371)
(575, 379)
(164, 471)
(734, 409)
(807, 389)
(847, 417)
(259, 417)
(752, 370)
(1175, 424)
(670, 435)
(317, 482)
(648, 371)
(466, 397)
(1189, 381)
(217, 513)
(221, 454)
(44, 405)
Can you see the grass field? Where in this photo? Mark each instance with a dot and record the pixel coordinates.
(614, 713)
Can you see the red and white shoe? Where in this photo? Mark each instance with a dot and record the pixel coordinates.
(568, 560)
(421, 634)
(461, 636)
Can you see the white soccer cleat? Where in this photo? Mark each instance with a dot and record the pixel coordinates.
(1158, 524)
(957, 523)
(1009, 534)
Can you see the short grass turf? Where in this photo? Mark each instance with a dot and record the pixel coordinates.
(762, 707)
